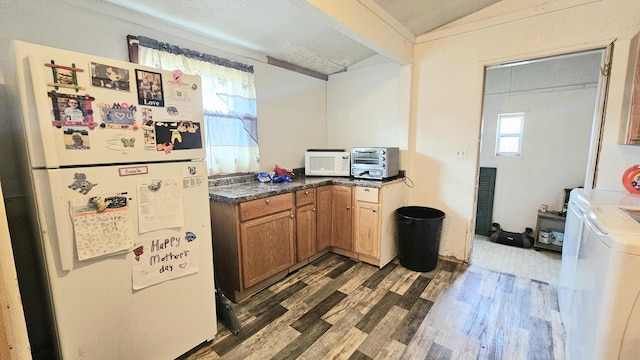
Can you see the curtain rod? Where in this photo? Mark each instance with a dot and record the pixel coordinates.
(174, 49)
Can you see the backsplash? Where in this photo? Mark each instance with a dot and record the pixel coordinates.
(242, 178)
(231, 179)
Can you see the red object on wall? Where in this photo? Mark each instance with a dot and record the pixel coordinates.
(631, 179)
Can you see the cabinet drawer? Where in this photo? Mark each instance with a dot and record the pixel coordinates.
(262, 207)
(367, 194)
(304, 197)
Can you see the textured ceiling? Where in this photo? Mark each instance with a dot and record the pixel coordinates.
(422, 16)
(293, 31)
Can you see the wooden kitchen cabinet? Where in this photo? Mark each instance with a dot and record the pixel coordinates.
(305, 224)
(259, 242)
(342, 217)
(375, 237)
(324, 218)
(253, 241)
(367, 227)
(267, 245)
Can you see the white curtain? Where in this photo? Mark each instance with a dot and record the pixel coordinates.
(229, 98)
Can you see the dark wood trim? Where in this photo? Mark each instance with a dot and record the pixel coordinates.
(296, 68)
(132, 43)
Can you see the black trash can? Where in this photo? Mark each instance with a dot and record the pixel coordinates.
(419, 229)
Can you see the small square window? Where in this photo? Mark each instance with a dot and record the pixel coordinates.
(509, 134)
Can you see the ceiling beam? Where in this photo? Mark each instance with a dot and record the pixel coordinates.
(296, 68)
(367, 27)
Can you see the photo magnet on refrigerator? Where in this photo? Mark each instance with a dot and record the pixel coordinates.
(109, 77)
(72, 110)
(118, 116)
(149, 88)
(65, 76)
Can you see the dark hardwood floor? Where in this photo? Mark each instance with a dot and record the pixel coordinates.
(337, 308)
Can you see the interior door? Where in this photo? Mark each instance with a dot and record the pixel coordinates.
(523, 85)
(598, 120)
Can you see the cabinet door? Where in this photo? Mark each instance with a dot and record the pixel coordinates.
(267, 246)
(323, 218)
(305, 231)
(367, 229)
(342, 218)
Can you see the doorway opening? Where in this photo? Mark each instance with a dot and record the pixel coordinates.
(558, 101)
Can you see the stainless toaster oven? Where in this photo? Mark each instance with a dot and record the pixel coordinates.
(375, 162)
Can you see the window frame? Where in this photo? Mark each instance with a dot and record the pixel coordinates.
(239, 152)
(519, 135)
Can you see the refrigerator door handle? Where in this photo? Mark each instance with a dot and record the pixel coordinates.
(40, 126)
(56, 215)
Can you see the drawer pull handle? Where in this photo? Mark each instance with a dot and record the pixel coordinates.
(374, 210)
(306, 192)
(366, 189)
(267, 201)
(348, 208)
(291, 216)
(314, 209)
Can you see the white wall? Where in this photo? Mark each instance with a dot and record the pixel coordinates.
(554, 153)
(292, 112)
(369, 106)
(288, 103)
(558, 98)
(449, 68)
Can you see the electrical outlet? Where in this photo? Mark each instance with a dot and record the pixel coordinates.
(461, 154)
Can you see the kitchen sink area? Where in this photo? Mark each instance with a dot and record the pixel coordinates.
(263, 231)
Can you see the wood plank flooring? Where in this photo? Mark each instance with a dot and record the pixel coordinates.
(337, 308)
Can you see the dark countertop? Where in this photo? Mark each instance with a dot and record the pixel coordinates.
(251, 190)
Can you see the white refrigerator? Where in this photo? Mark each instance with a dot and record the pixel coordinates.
(116, 157)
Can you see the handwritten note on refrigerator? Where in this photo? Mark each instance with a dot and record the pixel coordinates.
(160, 204)
(165, 256)
(101, 226)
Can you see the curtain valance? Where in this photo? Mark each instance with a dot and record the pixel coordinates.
(173, 49)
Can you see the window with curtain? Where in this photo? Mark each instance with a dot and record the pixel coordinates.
(229, 98)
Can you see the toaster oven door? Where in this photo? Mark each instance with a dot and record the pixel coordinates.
(366, 158)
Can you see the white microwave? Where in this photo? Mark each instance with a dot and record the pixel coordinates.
(327, 162)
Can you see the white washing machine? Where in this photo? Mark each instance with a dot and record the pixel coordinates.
(605, 309)
(579, 201)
